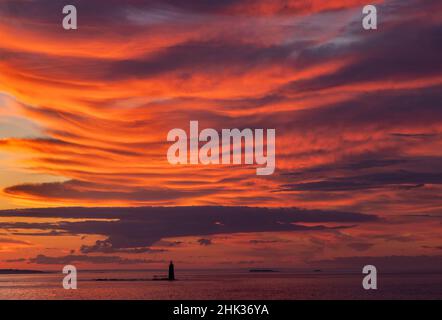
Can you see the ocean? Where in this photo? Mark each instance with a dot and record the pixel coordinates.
(220, 285)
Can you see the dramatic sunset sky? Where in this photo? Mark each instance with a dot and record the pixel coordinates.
(84, 116)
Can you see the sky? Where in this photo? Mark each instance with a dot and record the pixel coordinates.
(84, 117)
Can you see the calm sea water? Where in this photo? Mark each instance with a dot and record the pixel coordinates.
(221, 285)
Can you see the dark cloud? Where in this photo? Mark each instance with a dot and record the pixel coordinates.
(25, 225)
(369, 181)
(205, 242)
(211, 56)
(16, 260)
(115, 12)
(48, 12)
(400, 52)
(74, 190)
(165, 243)
(415, 135)
(353, 163)
(218, 55)
(105, 246)
(64, 260)
(40, 234)
(254, 241)
(135, 228)
(387, 110)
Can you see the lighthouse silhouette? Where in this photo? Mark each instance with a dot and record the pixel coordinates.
(171, 271)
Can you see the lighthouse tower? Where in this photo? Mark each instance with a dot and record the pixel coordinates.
(171, 271)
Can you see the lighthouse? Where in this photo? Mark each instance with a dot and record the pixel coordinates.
(171, 271)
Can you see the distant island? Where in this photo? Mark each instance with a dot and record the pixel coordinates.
(17, 271)
(262, 270)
